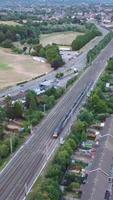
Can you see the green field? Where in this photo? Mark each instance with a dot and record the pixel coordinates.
(60, 38)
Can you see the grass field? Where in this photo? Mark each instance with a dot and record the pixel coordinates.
(61, 38)
(9, 23)
(16, 68)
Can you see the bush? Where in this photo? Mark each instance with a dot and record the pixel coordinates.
(73, 186)
(71, 81)
(35, 117)
(17, 50)
(7, 43)
(4, 150)
(59, 75)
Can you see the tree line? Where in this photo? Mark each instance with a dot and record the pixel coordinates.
(10, 34)
(82, 40)
(92, 54)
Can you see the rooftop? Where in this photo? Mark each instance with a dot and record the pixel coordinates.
(101, 168)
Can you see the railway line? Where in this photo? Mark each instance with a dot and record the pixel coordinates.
(30, 160)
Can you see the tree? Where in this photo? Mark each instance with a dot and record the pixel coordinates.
(59, 75)
(24, 49)
(50, 101)
(9, 35)
(63, 159)
(2, 115)
(35, 117)
(72, 143)
(37, 48)
(110, 64)
(73, 186)
(42, 52)
(98, 17)
(56, 63)
(59, 92)
(18, 110)
(51, 91)
(8, 106)
(2, 36)
(54, 172)
(31, 100)
(86, 116)
(52, 188)
(35, 195)
(78, 127)
(97, 104)
(15, 140)
(2, 119)
(1, 132)
(78, 132)
(4, 151)
(53, 56)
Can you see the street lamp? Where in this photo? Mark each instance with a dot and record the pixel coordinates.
(11, 145)
(44, 108)
(25, 186)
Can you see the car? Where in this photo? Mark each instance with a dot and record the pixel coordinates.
(75, 70)
(107, 195)
(61, 140)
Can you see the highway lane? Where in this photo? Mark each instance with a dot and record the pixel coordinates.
(13, 185)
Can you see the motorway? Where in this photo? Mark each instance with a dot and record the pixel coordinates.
(78, 62)
(18, 176)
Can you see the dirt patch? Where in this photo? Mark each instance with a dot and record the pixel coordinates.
(11, 23)
(16, 68)
(62, 38)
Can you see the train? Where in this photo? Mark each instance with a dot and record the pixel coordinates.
(63, 123)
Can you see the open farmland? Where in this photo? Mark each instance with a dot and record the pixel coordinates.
(16, 68)
(13, 23)
(60, 38)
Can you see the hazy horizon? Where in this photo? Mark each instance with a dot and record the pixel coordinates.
(29, 2)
